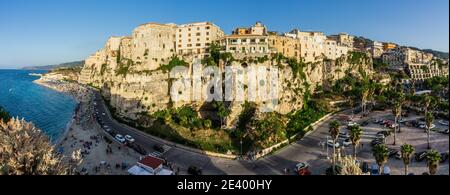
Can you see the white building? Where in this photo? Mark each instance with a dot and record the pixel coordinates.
(195, 38)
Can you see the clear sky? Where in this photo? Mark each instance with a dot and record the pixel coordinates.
(55, 31)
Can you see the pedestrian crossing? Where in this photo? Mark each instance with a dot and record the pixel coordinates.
(166, 148)
(156, 154)
(159, 154)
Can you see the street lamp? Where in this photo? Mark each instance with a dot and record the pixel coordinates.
(326, 145)
(241, 145)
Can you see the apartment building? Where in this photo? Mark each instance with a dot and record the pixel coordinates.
(312, 44)
(287, 46)
(253, 41)
(334, 50)
(376, 49)
(344, 39)
(195, 38)
(418, 64)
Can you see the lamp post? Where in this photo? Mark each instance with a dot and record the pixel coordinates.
(241, 145)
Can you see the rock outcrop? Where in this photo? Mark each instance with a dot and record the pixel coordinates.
(128, 70)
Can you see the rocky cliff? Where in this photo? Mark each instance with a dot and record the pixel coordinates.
(129, 72)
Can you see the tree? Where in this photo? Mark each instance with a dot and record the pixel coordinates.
(407, 152)
(396, 113)
(401, 101)
(26, 151)
(429, 121)
(381, 154)
(426, 101)
(355, 137)
(349, 166)
(334, 133)
(433, 158)
(222, 111)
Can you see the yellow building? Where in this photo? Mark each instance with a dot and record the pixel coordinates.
(287, 46)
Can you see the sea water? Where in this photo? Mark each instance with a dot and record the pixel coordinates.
(48, 109)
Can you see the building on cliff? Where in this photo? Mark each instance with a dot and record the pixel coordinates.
(418, 64)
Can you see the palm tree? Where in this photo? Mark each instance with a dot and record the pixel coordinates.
(401, 101)
(334, 133)
(433, 158)
(407, 152)
(381, 154)
(355, 136)
(429, 121)
(396, 113)
(426, 102)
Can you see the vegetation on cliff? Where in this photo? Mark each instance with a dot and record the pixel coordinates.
(24, 150)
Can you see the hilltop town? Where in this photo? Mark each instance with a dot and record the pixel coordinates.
(320, 78)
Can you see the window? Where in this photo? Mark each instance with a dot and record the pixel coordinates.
(198, 28)
(189, 35)
(189, 40)
(208, 27)
(198, 39)
(207, 33)
(189, 45)
(198, 44)
(207, 38)
(198, 34)
(189, 29)
(179, 30)
(164, 46)
(179, 41)
(179, 36)
(207, 44)
(179, 45)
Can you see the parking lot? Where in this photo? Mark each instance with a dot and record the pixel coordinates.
(414, 135)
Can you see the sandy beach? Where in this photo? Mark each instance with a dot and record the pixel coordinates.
(101, 155)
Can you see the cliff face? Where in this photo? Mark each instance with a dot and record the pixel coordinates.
(128, 71)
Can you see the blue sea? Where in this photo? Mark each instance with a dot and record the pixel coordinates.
(49, 110)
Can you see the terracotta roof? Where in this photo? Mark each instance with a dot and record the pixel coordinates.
(151, 161)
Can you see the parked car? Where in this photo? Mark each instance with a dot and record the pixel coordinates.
(330, 144)
(351, 123)
(376, 142)
(420, 156)
(129, 138)
(120, 138)
(374, 170)
(344, 135)
(380, 136)
(385, 133)
(300, 166)
(365, 123)
(365, 167)
(442, 122)
(392, 152)
(193, 170)
(444, 157)
(158, 148)
(387, 170)
(347, 143)
(423, 126)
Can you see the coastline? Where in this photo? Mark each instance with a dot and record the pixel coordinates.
(99, 155)
(59, 86)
